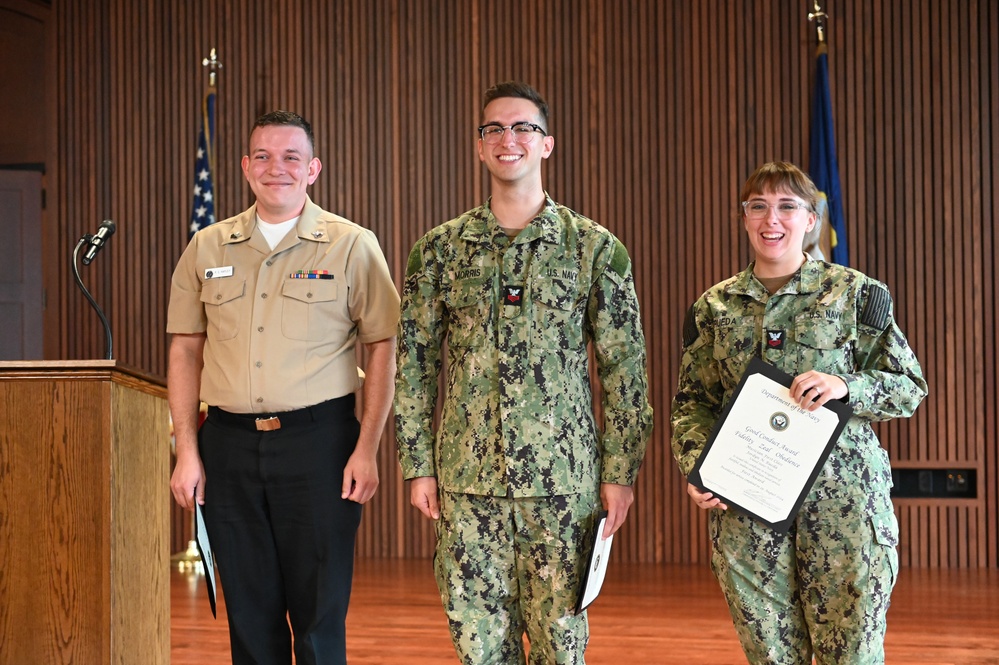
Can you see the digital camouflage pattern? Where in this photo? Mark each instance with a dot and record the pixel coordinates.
(516, 314)
(827, 327)
(825, 585)
(492, 597)
(834, 607)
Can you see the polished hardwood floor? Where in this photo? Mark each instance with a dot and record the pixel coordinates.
(646, 615)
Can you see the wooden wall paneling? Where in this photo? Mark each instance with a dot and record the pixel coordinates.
(940, 216)
(911, 307)
(990, 149)
(952, 255)
(655, 292)
(946, 221)
(643, 223)
(971, 209)
(656, 128)
(924, 326)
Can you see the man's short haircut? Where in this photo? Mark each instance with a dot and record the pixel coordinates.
(286, 119)
(520, 90)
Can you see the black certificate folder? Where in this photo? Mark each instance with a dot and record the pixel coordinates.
(597, 554)
(207, 555)
(765, 451)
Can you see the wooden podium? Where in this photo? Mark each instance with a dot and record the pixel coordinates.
(84, 514)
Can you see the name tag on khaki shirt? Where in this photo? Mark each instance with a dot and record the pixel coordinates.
(222, 271)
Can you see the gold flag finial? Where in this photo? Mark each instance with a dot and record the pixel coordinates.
(212, 62)
(819, 17)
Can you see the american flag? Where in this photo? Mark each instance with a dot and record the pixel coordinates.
(203, 209)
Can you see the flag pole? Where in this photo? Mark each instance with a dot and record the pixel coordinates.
(189, 560)
(823, 167)
(203, 203)
(213, 65)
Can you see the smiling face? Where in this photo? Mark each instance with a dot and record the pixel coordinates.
(279, 168)
(777, 242)
(508, 161)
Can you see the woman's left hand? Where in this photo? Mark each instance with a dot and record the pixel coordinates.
(813, 389)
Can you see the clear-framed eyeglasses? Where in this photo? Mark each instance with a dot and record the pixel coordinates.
(785, 209)
(523, 132)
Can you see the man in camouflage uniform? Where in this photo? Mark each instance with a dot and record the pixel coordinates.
(823, 588)
(517, 471)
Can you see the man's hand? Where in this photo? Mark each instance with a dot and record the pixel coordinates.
(360, 477)
(188, 481)
(423, 495)
(617, 500)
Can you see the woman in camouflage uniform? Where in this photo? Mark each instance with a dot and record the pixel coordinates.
(822, 589)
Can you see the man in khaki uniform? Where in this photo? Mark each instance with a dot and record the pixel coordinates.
(266, 309)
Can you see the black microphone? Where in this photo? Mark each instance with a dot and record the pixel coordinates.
(97, 240)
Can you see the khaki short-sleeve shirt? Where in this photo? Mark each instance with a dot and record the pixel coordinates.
(282, 324)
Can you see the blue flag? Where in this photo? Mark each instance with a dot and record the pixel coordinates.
(824, 170)
(203, 208)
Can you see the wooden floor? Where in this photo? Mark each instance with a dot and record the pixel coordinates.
(646, 615)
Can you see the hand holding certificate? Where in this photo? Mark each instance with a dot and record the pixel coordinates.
(766, 451)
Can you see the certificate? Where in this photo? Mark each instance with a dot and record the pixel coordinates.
(596, 564)
(205, 549)
(766, 451)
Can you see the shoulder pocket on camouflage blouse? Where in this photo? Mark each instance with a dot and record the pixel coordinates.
(469, 304)
(824, 346)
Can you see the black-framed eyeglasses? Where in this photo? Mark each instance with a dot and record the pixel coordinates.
(785, 209)
(523, 132)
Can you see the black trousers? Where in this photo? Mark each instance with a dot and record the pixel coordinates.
(282, 536)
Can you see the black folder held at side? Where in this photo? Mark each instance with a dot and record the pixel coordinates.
(597, 554)
(205, 550)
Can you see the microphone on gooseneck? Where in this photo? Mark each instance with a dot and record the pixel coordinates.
(97, 240)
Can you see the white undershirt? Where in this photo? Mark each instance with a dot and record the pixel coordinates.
(275, 233)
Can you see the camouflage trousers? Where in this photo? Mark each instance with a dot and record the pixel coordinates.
(506, 567)
(821, 590)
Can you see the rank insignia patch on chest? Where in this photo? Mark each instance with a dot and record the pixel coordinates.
(513, 295)
(775, 339)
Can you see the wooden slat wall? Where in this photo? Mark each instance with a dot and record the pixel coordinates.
(660, 110)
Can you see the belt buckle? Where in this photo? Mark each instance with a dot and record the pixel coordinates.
(268, 424)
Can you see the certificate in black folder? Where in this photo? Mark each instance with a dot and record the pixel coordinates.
(205, 550)
(765, 451)
(598, 554)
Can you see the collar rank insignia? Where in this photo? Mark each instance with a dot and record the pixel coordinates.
(775, 339)
(235, 236)
(317, 234)
(513, 295)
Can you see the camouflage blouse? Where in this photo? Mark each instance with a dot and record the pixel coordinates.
(827, 318)
(515, 317)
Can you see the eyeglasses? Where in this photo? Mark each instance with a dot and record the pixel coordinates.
(785, 209)
(523, 132)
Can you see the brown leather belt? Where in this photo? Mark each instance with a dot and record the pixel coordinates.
(269, 422)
